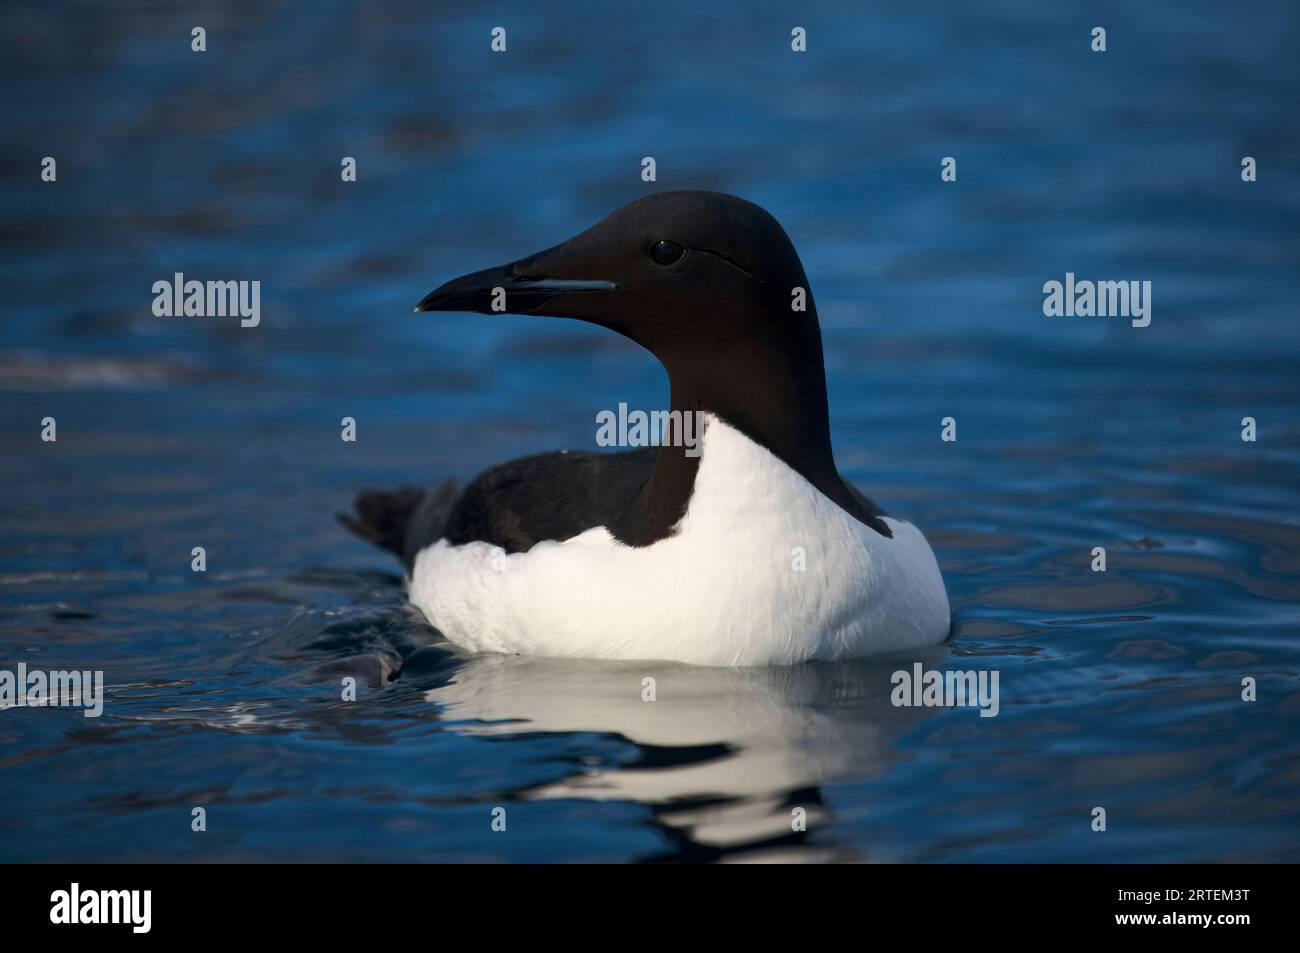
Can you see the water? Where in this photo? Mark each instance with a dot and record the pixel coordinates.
(1120, 690)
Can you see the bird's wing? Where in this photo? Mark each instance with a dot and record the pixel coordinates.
(514, 505)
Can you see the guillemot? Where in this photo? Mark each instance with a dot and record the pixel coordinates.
(753, 551)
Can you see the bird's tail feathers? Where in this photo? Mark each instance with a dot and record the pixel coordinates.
(402, 521)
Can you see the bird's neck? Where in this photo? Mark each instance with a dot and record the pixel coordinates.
(774, 396)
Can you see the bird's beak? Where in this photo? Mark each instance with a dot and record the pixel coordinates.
(509, 289)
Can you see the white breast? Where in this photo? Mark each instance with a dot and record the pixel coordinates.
(762, 570)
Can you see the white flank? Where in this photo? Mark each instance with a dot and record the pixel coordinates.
(722, 590)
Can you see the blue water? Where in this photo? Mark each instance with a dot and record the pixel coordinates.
(1120, 690)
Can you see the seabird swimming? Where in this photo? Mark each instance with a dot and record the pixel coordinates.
(751, 551)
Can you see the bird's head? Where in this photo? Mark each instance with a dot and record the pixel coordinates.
(694, 277)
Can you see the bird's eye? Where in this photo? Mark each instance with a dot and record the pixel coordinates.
(666, 252)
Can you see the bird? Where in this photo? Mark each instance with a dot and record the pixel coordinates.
(749, 549)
